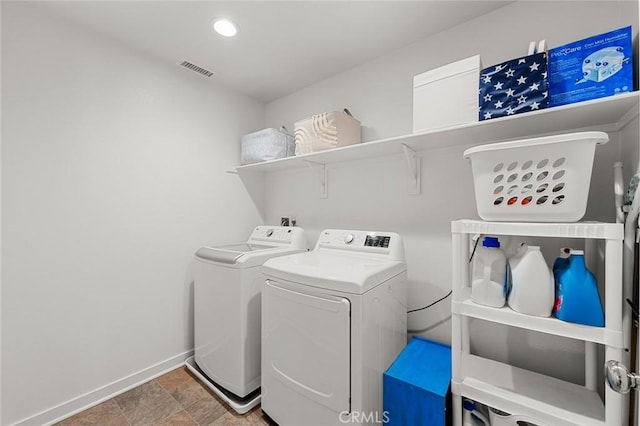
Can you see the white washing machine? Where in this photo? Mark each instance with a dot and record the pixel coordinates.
(227, 312)
(333, 320)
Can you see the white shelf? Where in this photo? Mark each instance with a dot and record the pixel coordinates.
(515, 390)
(592, 230)
(607, 114)
(549, 325)
(549, 400)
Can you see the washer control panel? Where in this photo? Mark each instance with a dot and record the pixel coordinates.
(284, 235)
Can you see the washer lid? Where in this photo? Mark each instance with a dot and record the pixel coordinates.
(334, 270)
(230, 253)
(264, 242)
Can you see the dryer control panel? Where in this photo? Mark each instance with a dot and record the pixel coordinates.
(388, 244)
(377, 241)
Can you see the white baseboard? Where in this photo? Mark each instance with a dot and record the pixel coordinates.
(95, 397)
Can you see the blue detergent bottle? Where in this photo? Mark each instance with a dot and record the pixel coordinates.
(577, 298)
(562, 260)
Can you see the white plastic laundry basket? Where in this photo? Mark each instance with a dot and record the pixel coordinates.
(539, 180)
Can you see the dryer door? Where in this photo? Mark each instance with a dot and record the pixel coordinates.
(306, 348)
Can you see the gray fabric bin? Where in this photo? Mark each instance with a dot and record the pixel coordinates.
(266, 144)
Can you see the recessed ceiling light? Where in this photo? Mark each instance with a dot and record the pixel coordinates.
(224, 27)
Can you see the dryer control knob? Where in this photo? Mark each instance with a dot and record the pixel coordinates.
(269, 232)
(348, 239)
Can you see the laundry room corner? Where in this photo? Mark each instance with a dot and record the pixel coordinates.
(113, 174)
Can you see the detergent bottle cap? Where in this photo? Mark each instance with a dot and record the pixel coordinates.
(491, 242)
(467, 404)
(576, 252)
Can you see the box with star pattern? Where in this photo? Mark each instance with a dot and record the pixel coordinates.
(514, 87)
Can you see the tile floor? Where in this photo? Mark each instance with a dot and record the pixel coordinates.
(173, 399)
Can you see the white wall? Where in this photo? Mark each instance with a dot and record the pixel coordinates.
(113, 173)
(370, 194)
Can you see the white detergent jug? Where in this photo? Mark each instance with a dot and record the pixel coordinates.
(489, 274)
(500, 418)
(532, 286)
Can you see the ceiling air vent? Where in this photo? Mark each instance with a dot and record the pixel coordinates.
(195, 68)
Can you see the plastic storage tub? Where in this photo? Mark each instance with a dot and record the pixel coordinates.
(539, 180)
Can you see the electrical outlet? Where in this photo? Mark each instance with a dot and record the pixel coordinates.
(287, 221)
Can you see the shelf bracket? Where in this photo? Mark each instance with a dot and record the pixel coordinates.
(320, 169)
(414, 168)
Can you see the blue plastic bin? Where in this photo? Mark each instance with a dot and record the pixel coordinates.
(416, 386)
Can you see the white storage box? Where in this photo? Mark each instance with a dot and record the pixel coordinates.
(446, 96)
(266, 144)
(325, 131)
(539, 180)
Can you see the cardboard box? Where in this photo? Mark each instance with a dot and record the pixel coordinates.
(416, 385)
(591, 68)
(515, 86)
(446, 96)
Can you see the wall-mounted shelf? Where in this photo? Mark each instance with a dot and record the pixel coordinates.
(606, 114)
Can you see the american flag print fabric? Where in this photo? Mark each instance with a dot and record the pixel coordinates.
(513, 87)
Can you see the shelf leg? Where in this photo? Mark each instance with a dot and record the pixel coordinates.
(616, 404)
(459, 325)
(590, 366)
(456, 406)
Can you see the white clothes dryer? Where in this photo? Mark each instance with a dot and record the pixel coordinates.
(333, 320)
(227, 312)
